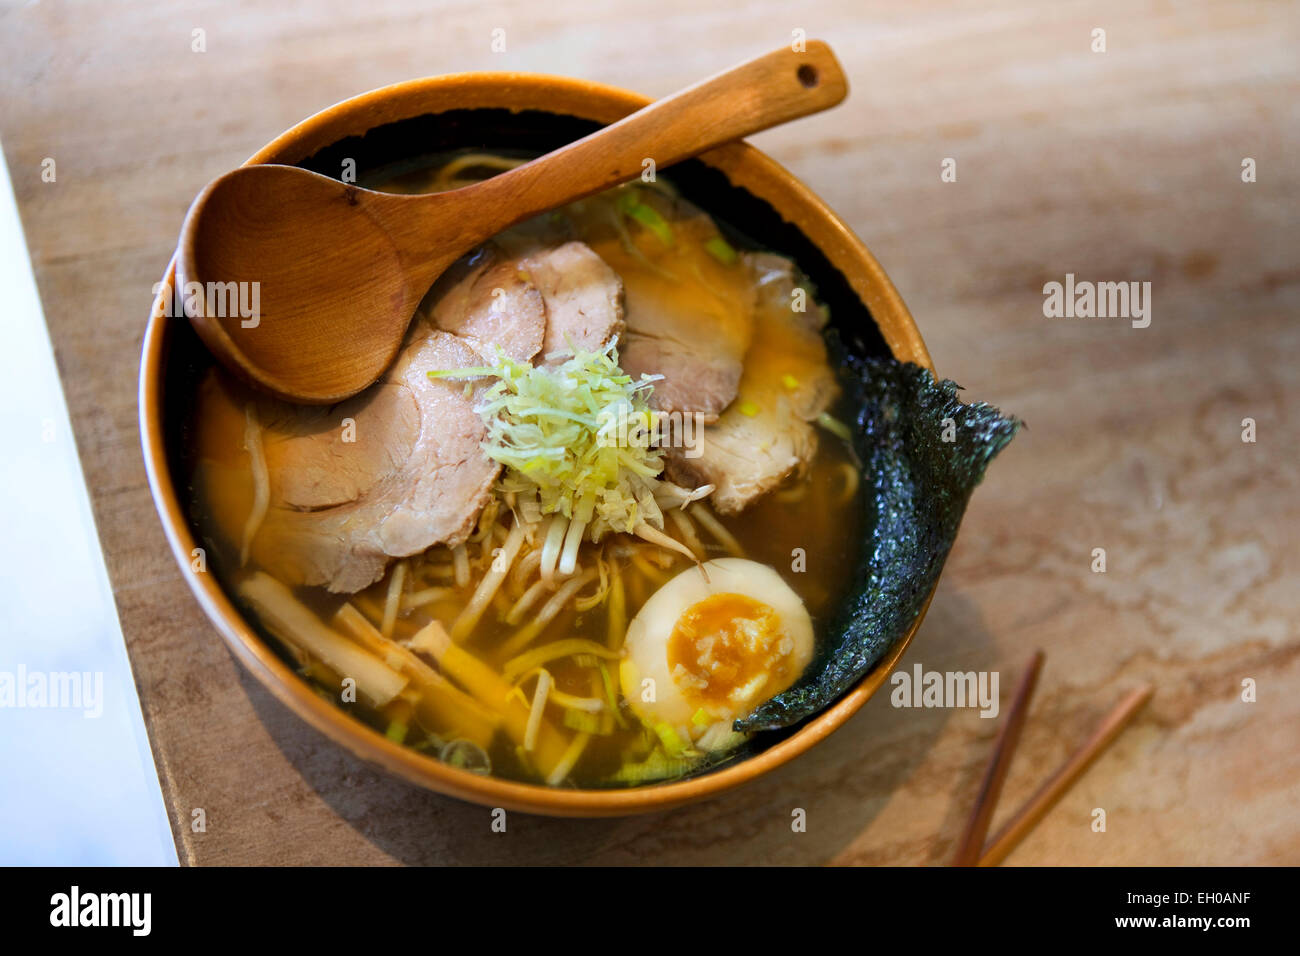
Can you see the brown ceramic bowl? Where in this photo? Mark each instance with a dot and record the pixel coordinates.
(398, 124)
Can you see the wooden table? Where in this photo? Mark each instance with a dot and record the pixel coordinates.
(1115, 166)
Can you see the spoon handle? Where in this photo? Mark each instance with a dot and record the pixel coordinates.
(746, 99)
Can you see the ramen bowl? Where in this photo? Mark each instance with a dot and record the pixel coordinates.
(521, 114)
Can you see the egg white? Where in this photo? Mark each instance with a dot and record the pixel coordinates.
(646, 648)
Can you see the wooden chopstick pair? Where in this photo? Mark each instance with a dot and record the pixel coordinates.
(971, 848)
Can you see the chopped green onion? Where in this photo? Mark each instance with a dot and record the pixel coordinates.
(654, 767)
(396, 731)
(748, 408)
(647, 216)
(789, 381)
(467, 756)
(611, 697)
(584, 722)
(672, 741)
(721, 250)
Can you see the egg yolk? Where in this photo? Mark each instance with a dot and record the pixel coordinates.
(728, 649)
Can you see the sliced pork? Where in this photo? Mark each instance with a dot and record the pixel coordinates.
(488, 298)
(700, 352)
(540, 299)
(689, 316)
(583, 295)
(399, 468)
(764, 436)
(413, 476)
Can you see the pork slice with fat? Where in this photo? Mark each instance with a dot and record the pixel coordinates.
(583, 296)
(487, 297)
(385, 475)
(696, 345)
(764, 436)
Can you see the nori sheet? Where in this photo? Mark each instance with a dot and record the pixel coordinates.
(917, 489)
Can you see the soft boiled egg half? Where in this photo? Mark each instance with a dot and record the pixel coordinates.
(709, 647)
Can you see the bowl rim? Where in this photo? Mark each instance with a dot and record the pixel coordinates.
(744, 166)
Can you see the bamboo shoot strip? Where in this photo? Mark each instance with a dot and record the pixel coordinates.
(368, 606)
(490, 689)
(295, 623)
(653, 574)
(442, 707)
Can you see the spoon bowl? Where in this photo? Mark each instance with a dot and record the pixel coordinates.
(259, 316)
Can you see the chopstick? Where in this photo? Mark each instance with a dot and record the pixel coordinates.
(972, 840)
(1036, 807)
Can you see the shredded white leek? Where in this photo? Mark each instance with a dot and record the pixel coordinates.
(575, 436)
(551, 547)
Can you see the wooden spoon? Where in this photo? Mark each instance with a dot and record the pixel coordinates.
(338, 271)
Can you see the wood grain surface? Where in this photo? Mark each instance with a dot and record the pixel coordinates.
(1117, 166)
